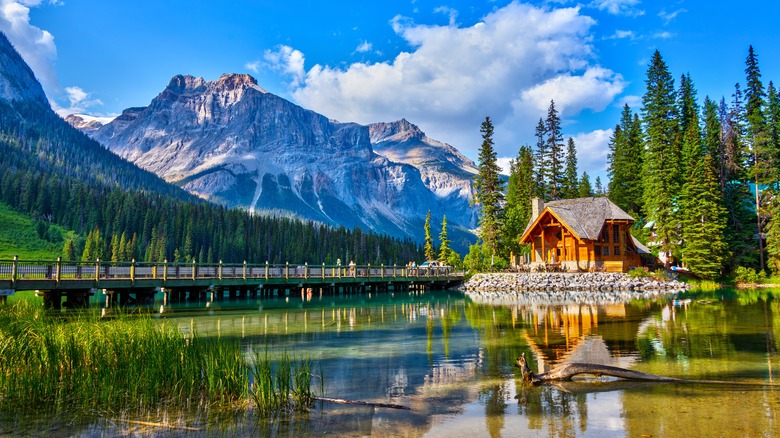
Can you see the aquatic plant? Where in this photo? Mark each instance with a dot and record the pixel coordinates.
(83, 361)
(281, 386)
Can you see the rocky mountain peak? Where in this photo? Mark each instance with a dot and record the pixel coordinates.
(17, 80)
(84, 123)
(400, 130)
(181, 84)
(232, 81)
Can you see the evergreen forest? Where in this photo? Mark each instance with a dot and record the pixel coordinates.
(702, 175)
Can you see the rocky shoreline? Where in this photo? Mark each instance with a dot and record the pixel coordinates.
(567, 287)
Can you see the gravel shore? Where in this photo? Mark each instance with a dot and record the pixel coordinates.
(567, 287)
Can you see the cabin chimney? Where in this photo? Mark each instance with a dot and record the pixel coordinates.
(537, 205)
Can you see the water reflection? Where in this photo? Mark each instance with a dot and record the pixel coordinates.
(450, 360)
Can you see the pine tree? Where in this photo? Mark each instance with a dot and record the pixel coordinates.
(704, 251)
(555, 152)
(773, 130)
(444, 243)
(94, 247)
(773, 235)
(625, 187)
(488, 188)
(599, 188)
(518, 199)
(686, 102)
(712, 143)
(762, 166)
(584, 188)
(115, 248)
(740, 228)
(542, 163)
(570, 187)
(701, 208)
(430, 254)
(661, 170)
(69, 251)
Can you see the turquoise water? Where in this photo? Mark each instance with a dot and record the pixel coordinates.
(450, 360)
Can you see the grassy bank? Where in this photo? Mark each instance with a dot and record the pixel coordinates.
(28, 239)
(83, 362)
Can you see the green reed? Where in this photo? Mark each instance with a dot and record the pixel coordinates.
(85, 361)
(282, 386)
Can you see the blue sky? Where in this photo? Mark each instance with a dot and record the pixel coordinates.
(443, 65)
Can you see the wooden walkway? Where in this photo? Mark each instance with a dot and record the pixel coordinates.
(129, 282)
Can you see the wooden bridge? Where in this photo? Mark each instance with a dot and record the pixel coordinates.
(125, 283)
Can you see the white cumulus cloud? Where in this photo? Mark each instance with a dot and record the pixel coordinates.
(507, 66)
(592, 150)
(618, 7)
(287, 60)
(364, 47)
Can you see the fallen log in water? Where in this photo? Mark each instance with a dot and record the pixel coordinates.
(362, 403)
(565, 372)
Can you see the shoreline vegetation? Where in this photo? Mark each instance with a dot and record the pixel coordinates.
(82, 362)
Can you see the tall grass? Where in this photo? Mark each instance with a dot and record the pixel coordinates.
(281, 386)
(91, 363)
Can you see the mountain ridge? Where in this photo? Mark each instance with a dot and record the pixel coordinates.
(233, 142)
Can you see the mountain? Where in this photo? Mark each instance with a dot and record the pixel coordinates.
(232, 142)
(35, 140)
(85, 123)
(17, 81)
(63, 193)
(444, 170)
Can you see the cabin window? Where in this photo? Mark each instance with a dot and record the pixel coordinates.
(597, 251)
(615, 233)
(605, 251)
(617, 251)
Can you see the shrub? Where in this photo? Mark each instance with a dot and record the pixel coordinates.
(746, 275)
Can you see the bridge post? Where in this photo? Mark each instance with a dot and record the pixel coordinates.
(219, 271)
(244, 273)
(306, 270)
(58, 271)
(394, 267)
(382, 272)
(132, 271)
(14, 270)
(165, 271)
(97, 270)
(194, 270)
(323, 270)
(266, 269)
(368, 271)
(287, 270)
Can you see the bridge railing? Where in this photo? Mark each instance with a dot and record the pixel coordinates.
(60, 270)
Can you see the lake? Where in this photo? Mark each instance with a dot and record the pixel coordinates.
(451, 361)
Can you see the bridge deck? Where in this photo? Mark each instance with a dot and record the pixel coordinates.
(18, 275)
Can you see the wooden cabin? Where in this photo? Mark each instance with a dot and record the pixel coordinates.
(583, 234)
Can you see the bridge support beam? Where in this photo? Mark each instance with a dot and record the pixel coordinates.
(52, 299)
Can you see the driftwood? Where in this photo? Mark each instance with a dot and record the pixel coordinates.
(362, 403)
(566, 371)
